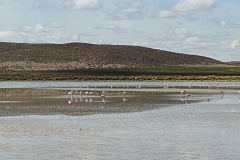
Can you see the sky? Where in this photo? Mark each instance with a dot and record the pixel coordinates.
(208, 28)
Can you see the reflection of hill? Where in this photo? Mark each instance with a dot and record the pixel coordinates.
(55, 102)
(19, 56)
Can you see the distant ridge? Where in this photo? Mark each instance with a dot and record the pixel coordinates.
(235, 63)
(25, 56)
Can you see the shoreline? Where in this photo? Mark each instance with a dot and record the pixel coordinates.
(79, 77)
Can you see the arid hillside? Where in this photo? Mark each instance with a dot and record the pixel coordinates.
(73, 56)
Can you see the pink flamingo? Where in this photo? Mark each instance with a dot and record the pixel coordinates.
(222, 92)
(103, 96)
(183, 92)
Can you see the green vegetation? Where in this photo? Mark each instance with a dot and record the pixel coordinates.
(164, 73)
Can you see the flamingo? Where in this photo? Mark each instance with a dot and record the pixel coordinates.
(71, 96)
(222, 92)
(208, 93)
(80, 96)
(70, 93)
(86, 93)
(209, 85)
(217, 85)
(103, 97)
(124, 99)
(80, 93)
(185, 98)
(183, 92)
(187, 95)
(103, 92)
(165, 88)
(139, 86)
(90, 93)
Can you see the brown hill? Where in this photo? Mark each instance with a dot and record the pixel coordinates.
(235, 63)
(23, 56)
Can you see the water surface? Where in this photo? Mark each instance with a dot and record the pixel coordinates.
(151, 121)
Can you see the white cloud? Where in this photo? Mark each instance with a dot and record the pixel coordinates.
(194, 5)
(35, 28)
(43, 4)
(91, 34)
(112, 27)
(135, 43)
(192, 40)
(182, 40)
(134, 16)
(112, 17)
(8, 36)
(130, 10)
(179, 32)
(166, 14)
(53, 25)
(137, 31)
(199, 43)
(38, 33)
(130, 6)
(81, 4)
(235, 56)
(228, 24)
(192, 17)
(234, 44)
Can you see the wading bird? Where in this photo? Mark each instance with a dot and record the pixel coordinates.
(183, 92)
(208, 93)
(222, 92)
(103, 97)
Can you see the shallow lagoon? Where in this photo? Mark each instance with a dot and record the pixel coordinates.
(151, 121)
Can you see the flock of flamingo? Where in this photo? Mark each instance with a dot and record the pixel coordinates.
(88, 95)
(183, 94)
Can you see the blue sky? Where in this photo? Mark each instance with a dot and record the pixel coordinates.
(201, 27)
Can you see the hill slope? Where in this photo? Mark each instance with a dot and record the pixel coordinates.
(22, 56)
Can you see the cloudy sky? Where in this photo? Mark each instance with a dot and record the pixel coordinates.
(201, 27)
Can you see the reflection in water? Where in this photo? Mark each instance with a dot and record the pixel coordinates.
(55, 101)
(184, 96)
(124, 99)
(161, 127)
(103, 96)
(89, 99)
(194, 131)
(48, 102)
(222, 93)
